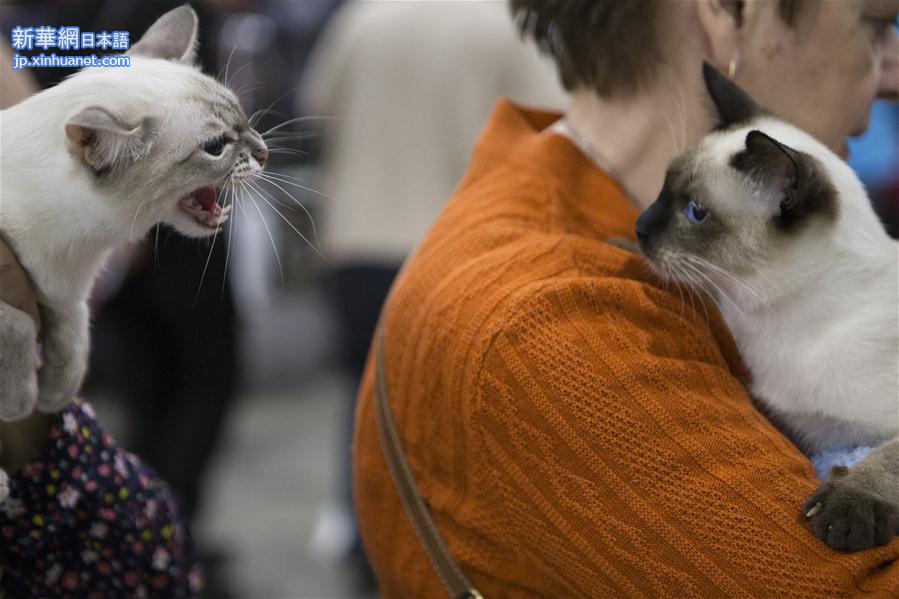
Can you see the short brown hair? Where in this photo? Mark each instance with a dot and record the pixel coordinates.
(611, 46)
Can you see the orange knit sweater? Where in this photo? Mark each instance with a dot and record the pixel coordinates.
(577, 429)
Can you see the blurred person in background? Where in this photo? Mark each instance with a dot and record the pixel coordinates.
(571, 432)
(409, 86)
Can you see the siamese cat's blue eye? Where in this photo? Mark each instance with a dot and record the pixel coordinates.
(696, 212)
(215, 147)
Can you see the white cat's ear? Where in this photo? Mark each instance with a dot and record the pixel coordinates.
(172, 37)
(102, 142)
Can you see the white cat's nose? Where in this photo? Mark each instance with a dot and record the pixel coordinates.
(261, 156)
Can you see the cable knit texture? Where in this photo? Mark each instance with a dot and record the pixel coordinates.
(577, 429)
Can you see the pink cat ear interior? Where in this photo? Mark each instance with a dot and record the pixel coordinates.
(102, 142)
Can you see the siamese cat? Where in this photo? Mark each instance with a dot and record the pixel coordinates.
(780, 233)
(97, 161)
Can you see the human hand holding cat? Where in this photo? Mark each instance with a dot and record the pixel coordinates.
(20, 441)
(20, 319)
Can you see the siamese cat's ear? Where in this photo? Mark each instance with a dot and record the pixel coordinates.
(734, 105)
(775, 165)
(102, 142)
(172, 37)
(796, 184)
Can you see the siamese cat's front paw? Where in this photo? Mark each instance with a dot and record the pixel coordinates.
(848, 517)
(18, 381)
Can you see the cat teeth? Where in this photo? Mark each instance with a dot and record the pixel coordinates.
(213, 219)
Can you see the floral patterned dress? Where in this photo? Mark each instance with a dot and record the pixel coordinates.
(88, 519)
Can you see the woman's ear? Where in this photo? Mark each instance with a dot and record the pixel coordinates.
(721, 21)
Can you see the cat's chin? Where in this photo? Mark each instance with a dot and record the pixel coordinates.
(199, 214)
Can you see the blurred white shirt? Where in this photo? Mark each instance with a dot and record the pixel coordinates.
(411, 85)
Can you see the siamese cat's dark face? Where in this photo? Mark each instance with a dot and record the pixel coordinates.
(738, 198)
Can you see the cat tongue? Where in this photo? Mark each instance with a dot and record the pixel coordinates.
(206, 198)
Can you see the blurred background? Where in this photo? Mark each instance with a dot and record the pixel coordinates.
(231, 365)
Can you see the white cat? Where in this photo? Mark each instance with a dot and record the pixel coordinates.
(97, 161)
(778, 230)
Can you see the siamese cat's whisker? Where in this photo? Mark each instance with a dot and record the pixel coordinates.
(721, 292)
(702, 263)
(300, 204)
(671, 132)
(680, 104)
(697, 286)
(700, 294)
(267, 230)
(670, 275)
(691, 291)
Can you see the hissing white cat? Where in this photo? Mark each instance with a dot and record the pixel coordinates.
(94, 162)
(779, 232)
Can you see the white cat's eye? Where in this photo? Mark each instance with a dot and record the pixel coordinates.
(696, 212)
(215, 147)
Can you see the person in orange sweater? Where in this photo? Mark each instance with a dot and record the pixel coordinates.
(575, 427)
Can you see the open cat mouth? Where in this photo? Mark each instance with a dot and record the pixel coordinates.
(202, 206)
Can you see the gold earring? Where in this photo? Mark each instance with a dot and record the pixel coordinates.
(732, 67)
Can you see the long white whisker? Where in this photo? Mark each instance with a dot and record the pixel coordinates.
(227, 65)
(297, 120)
(731, 277)
(261, 113)
(205, 268)
(234, 74)
(300, 204)
(290, 224)
(264, 224)
(272, 178)
(134, 220)
(717, 288)
(230, 239)
(269, 107)
(694, 285)
(270, 196)
(285, 176)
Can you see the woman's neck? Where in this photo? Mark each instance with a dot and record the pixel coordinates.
(633, 139)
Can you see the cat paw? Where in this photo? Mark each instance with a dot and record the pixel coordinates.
(847, 517)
